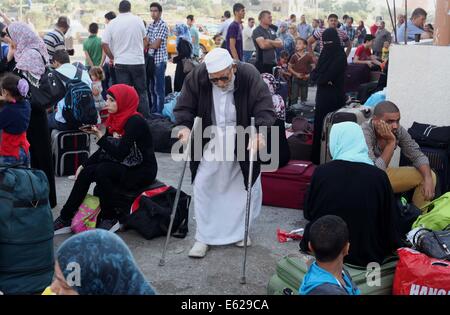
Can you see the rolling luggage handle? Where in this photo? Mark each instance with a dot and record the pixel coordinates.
(162, 261)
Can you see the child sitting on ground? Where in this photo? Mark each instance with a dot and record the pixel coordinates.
(300, 67)
(329, 242)
(14, 119)
(97, 76)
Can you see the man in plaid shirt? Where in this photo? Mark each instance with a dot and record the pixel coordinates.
(349, 29)
(317, 36)
(157, 34)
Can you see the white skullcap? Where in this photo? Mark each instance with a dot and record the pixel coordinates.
(217, 60)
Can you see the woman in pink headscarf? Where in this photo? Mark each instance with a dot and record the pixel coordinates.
(29, 55)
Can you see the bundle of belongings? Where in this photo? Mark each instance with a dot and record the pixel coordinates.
(425, 269)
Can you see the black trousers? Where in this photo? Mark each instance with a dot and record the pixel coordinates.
(107, 176)
(38, 135)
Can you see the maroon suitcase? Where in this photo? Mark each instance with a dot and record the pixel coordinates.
(287, 186)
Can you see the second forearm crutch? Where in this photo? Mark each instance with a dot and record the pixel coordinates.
(187, 153)
(249, 197)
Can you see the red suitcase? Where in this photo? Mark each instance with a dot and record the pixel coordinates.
(287, 186)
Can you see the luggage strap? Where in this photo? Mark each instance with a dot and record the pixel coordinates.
(29, 203)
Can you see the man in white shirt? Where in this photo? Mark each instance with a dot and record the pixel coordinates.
(249, 45)
(123, 42)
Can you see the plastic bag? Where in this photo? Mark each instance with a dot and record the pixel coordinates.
(418, 274)
(86, 217)
(284, 236)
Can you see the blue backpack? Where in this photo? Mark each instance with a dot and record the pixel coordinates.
(79, 108)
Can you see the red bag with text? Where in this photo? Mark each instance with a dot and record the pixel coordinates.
(418, 274)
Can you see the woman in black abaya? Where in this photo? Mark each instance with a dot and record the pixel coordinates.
(329, 75)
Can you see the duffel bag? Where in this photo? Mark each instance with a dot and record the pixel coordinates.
(151, 211)
(418, 274)
(430, 135)
(435, 244)
(26, 231)
(436, 214)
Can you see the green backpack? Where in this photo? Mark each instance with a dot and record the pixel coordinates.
(26, 231)
(436, 214)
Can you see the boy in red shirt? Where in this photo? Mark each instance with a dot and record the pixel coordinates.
(363, 54)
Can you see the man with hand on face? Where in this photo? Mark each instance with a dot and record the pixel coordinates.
(383, 134)
(225, 96)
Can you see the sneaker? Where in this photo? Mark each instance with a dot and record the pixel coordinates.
(198, 250)
(61, 226)
(109, 225)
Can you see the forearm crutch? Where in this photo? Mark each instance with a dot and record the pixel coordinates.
(187, 153)
(249, 197)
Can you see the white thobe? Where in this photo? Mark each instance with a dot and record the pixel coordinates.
(220, 196)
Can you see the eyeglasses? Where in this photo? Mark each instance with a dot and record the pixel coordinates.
(223, 79)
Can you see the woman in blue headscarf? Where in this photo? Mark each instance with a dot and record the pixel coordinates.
(286, 37)
(184, 50)
(97, 262)
(352, 188)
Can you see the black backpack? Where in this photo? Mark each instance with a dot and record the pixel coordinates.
(152, 218)
(79, 108)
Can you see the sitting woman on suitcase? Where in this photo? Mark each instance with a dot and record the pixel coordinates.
(125, 159)
(352, 188)
(15, 113)
(106, 267)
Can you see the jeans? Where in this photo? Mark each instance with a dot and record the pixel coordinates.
(24, 159)
(404, 179)
(135, 75)
(110, 78)
(247, 55)
(158, 88)
(299, 89)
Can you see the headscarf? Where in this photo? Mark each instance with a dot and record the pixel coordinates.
(127, 101)
(183, 33)
(277, 100)
(331, 52)
(347, 143)
(287, 38)
(106, 265)
(30, 49)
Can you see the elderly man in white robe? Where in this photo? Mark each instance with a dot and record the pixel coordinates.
(225, 96)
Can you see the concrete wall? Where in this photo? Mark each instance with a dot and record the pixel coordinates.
(419, 83)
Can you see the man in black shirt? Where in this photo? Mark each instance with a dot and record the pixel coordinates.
(266, 42)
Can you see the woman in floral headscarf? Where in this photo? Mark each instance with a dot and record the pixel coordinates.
(280, 111)
(184, 50)
(29, 53)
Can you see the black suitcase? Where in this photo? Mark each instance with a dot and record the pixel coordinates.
(168, 83)
(365, 90)
(308, 112)
(70, 149)
(355, 75)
